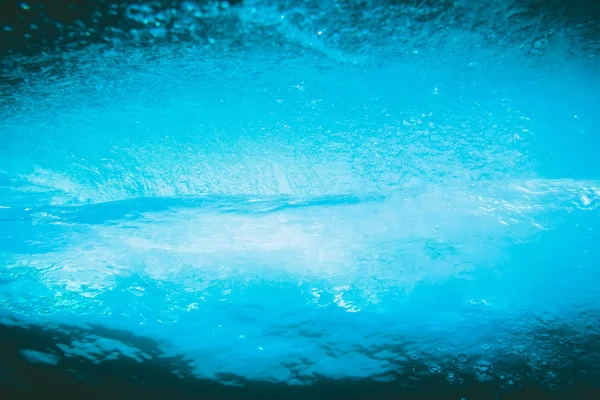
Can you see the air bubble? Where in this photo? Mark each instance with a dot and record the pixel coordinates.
(541, 43)
(442, 347)
(450, 377)
(483, 366)
(434, 369)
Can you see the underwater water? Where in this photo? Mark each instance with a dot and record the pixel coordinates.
(297, 198)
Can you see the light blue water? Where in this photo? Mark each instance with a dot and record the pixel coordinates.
(281, 213)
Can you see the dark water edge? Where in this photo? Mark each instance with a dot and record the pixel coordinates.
(33, 26)
(81, 377)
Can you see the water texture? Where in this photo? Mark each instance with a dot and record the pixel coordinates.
(287, 192)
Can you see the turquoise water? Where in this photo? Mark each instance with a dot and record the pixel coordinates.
(397, 199)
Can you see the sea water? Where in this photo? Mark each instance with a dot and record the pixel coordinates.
(309, 192)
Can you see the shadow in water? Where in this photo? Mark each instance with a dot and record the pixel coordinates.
(63, 374)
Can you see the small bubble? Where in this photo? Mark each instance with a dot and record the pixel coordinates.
(485, 346)
(541, 43)
(442, 347)
(434, 369)
(462, 358)
(483, 366)
(414, 355)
